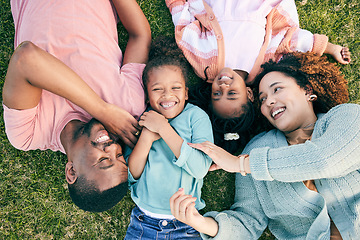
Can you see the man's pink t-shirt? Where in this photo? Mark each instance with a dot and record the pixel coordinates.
(82, 34)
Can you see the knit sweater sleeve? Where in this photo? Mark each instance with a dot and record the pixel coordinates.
(333, 151)
(245, 219)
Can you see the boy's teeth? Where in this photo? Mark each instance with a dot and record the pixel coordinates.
(167, 105)
(277, 112)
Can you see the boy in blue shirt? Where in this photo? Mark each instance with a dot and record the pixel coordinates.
(162, 162)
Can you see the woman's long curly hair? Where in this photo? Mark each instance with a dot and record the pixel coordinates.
(310, 71)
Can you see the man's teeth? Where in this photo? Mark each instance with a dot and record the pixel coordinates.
(277, 112)
(102, 139)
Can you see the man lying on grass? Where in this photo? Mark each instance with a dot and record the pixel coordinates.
(48, 105)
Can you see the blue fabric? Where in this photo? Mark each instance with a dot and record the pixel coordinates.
(274, 194)
(164, 174)
(147, 228)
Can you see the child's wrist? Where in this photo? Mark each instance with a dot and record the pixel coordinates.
(164, 128)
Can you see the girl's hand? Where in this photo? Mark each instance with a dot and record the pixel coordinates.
(118, 121)
(183, 208)
(222, 159)
(339, 53)
(153, 121)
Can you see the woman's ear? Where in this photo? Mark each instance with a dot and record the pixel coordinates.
(70, 173)
(250, 94)
(186, 93)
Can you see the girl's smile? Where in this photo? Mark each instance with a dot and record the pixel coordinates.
(229, 94)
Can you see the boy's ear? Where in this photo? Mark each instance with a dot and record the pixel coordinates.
(70, 173)
(186, 93)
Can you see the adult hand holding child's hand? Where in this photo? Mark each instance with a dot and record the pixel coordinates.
(118, 121)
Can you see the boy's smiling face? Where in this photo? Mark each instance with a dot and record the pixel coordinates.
(167, 91)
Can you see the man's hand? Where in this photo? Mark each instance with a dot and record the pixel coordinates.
(118, 121)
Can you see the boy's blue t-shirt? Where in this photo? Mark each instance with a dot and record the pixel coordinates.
(164, 174)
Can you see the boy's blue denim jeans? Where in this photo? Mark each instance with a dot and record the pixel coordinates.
(145, 227)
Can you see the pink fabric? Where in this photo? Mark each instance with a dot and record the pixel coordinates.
(83, 35)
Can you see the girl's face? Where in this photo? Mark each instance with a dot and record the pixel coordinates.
(284, 103)
(167, 91)
(229, 93)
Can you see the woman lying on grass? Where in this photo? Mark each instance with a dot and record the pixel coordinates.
(301, 179)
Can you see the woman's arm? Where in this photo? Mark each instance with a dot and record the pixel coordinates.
(183, 209)
(333, 151)
(135, 22)
(31, 70)
(245, 219)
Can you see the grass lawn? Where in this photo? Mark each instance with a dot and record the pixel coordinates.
(34, 202)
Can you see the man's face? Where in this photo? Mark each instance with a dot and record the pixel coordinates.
(97, 156)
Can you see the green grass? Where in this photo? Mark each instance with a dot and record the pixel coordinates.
(34, 203)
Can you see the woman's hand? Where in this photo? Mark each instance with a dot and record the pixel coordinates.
(118, 121)
(221, 158)
(183, 209)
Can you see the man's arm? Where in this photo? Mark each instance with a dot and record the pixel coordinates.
(136, 24)
(31, 69)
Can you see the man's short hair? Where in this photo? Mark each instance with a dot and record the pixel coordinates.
(87, 197)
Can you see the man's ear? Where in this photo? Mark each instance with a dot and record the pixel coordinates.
(70, 173)
(250, 94)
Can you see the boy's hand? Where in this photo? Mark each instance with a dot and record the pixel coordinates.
(153, 121)
(148, 135)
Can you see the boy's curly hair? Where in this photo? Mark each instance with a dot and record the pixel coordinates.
(314, 71)
(165, 52)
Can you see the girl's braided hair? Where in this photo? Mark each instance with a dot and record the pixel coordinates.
(200, 95)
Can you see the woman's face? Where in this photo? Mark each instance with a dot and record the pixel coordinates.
(229, 93)
(284, 103)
